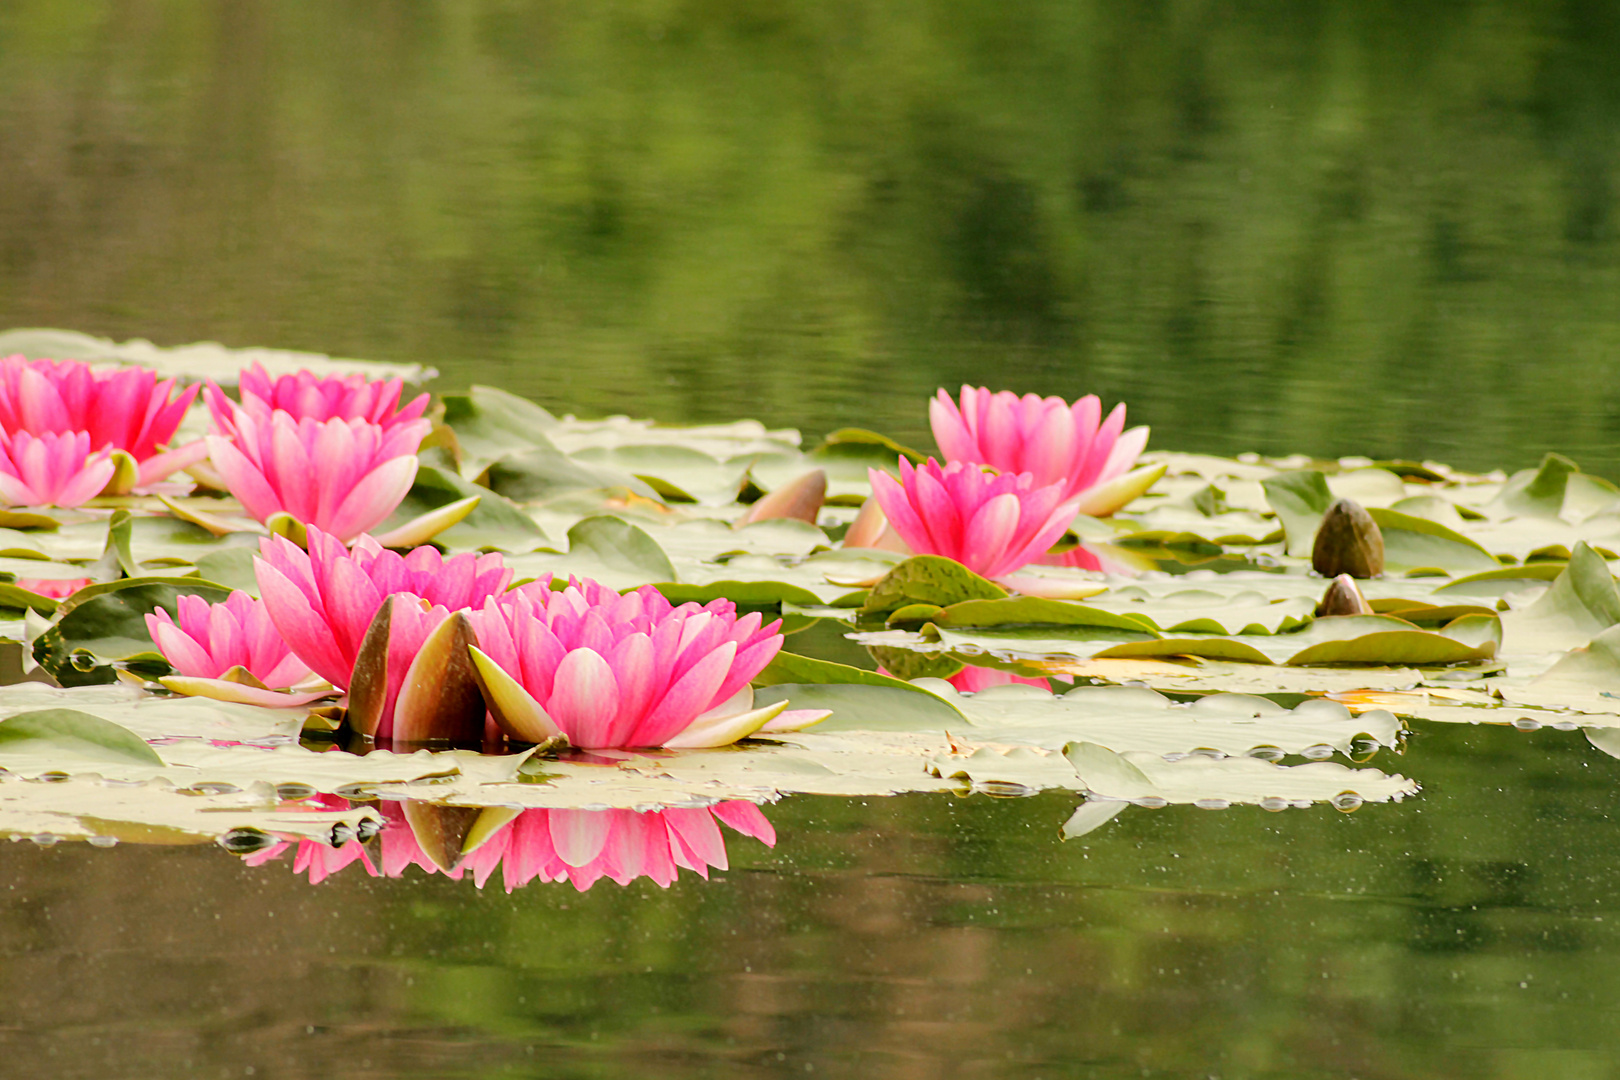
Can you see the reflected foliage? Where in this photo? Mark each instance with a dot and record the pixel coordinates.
(1274, 226)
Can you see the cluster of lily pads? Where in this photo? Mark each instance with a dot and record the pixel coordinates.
(465, 632)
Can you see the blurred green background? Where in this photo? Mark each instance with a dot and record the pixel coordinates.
(1332, 226)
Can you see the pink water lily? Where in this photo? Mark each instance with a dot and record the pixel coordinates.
(577, 846)
(126, 409)
(55, 588)
(606, 670)
(991, 523)
(211, 639)
(53, 469)
(1055, 442)
(308, 396)
(343, 476)
(230, 651)
(324, 600)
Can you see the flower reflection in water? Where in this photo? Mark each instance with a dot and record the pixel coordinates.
(581, 846)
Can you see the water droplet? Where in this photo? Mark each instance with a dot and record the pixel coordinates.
(367, 828)
(1527, 723)
(1176, 755)
(55, 776)
(288, 792)
(1363, 748)
(1274, 803)
(1561, 725)
(355, 791)
(1346, 801)
(83, 661)
(1266, 753)
(342, 833)
(1152, 802)
(211, 787)
(245, 840)
(1004, 789)
(102, 841)
(1318, 752)
(44, 839)
(1212, 804)
(1207, 752)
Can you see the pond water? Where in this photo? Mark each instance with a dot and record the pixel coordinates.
(1323, 227)
(1469, 932)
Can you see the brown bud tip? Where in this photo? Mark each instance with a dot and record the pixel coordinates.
(1348, 542)
(1343, 597)
(799, 499)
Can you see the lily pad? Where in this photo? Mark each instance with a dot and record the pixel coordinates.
(928, 579)
(107, 622)
(606, 549)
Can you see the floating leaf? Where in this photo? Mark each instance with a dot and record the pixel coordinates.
(928, 579)
(606, 549)
(107, 622)
(1140, 777)
(1582, 602)
(495, 524)
(1537, 492)
(490, 424)
(194, 363)
(1299, 500)
(1221, 648)
(1505, 580)
(541, 474)
(1036, 611)
(72, 738)
(1411, 542)
(752, 595)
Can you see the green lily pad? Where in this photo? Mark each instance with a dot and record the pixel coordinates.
(928, 579)
(675, 472)
(107, 622)
(544, 473)
(1537, 492)
(1299, 499)
(494, 524)
(745, 594)
(491, 424)
(1036, 611)
(1411, 542)
(193, 363)
(1582, 602)
(72, 739)
(606, 549)
(1217, 648)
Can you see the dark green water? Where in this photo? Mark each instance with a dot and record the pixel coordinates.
(1471, 932)
(1332, 226)
(1370, 227)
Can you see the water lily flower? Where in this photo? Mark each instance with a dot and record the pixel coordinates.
(124, 409)
(991, 523)
(606, 670)
(54, 588)
(325, 600)
(1054, 441)
(230, 651)
(343, 476)
(306, 395)
(53, 469)
(578, 846)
